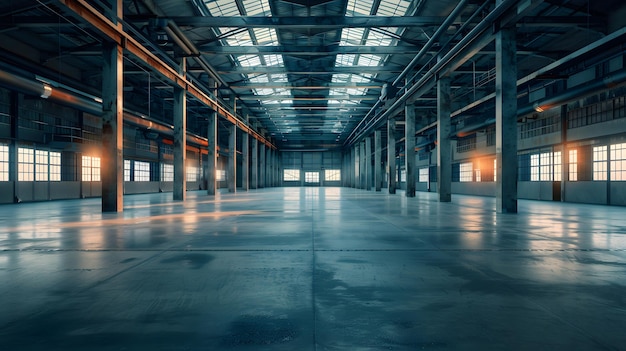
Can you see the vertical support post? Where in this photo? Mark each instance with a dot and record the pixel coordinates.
(268, 167)
(444, 148)
(232, 159)
(254, 177)
(409, 149)
(391, 155)
(245, 162)
(180, 140)
(368, 163)
(378, 179)
(112, 175)
(564, 153)
(506, 121)
(362, 163)
(354, 166)
(262, 166)
(211, 168)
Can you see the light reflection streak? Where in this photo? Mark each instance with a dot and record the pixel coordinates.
(185, 217)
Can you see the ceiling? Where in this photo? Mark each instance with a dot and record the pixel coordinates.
(306, 73)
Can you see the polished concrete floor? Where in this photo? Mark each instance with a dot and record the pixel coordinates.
(312, 269)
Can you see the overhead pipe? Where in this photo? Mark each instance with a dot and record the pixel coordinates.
(443, 27)
(92, 106)
(470, 40)
(420, 55)
(612, 81)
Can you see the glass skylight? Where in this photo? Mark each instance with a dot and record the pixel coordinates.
(393, 8)
(257, 7)
(249, 60)
(273, 60)
(265, 36)
(359, 7)
(222, 7)
(369, 60)
(351, 36)
(345, 60)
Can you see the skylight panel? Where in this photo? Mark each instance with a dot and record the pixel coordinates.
(342, 102)
(351, 36)
(262, 78)
(273, 60)
(249, 60)
(340, 78)
(392, 8)
(361, 78)
(378, 39)
(346, 91)
(257, 7)
(219, 8)
(279, 78)
(345, 60)
(264, 91)
(265, 36)
(239, 39)
(369, 60)
(359, 7)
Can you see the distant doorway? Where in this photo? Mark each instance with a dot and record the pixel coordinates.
(312, 178)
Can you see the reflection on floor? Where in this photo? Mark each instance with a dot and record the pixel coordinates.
(311, 269)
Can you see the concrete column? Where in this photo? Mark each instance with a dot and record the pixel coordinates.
(506, 121)
(362, 162)
(112, 171)
(262, 166)
(232, 159)
(245, 162)
(409, 149)
(254, 176)
(368, 163)
(180, 141)
(391, 155)
(444, 148)
(268, 167)
(564, 152)
(378, 178)
(355, 166)
(211, 168)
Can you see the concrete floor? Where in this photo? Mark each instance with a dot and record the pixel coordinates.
(311, 269)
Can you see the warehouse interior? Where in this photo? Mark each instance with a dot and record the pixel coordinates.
(312, 174)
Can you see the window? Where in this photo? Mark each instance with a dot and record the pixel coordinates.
(423, 175)
(167, 172)
(534, 168)
(573, 165)
(41, 165)
(192, 173)
(477, 175)
(291, 175)
(220, 175)
(142, 171)
(618, 162)
(495, 169)
(312, 177)
(4, 163)
(599, 162)
(545, 166)
(127, 170)
(91, 169)
(332, 175)
(25, 164)
(465, 172)
(55, 166)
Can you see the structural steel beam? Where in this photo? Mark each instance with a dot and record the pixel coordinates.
(309, 71)
(116, 33)
(296, 22)
(306, 50)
